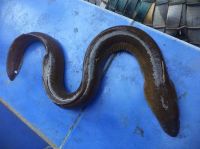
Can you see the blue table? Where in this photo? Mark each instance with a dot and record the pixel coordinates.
(105, 123)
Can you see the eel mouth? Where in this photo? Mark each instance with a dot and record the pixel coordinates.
(12, 73)
(171, 127)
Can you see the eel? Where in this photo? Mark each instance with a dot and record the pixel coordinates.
(158, 88)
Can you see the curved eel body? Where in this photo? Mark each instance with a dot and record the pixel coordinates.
(159, 90)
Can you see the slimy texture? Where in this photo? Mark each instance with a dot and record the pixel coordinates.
(159, 89)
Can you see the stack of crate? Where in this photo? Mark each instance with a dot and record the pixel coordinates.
(179, 18)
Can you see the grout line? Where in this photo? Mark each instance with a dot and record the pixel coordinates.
(42, 136)
(48, 147)
(75, 123)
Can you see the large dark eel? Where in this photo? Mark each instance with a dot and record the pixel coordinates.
(159, 90)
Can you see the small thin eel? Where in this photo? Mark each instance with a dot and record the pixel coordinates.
(159, 89)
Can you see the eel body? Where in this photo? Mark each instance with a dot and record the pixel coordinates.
(159, 89)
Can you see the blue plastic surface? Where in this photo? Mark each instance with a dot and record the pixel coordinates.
(16, 135)
(119, 117)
